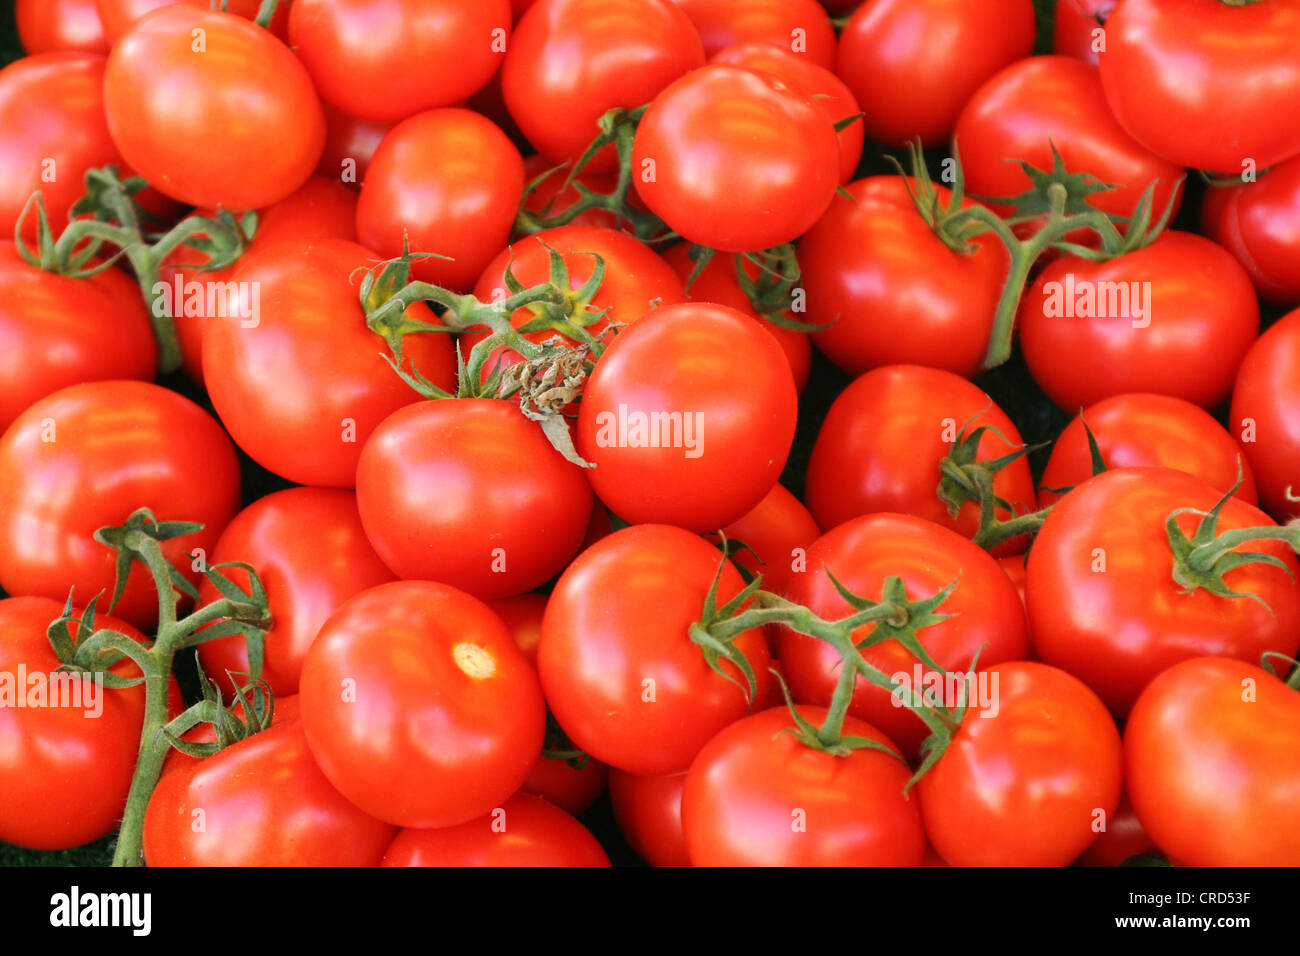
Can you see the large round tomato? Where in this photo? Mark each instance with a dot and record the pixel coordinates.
(1265, 416)
(212, 109)
(757, 796)
(1203, 83)
(721, 132)
(620, 671)
(1175, 318)
(419, 707)
(1027, 779)
(293, 371)
(649, 814)
(50, 26)
(799, 26)
(88, 456)
(1259, 223)
(913, 64)
(674, 434)
(1212, 749)
(1078, 28)
(1102, 599)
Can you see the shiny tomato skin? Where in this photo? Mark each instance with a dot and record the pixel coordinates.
(648, 810)
(524, 831)
(118, 16)
(720, 132)
(1200, 82)
(1259, 223)
(913, 65)
(1078, 27)
(241, 128)
(1143, 430)
(620, 672)
(881, 443)
(568, 64)
(350, 144)
(572, 790)
(450, 182)
(1265, 415)
(752, 783)
(1200, 317)
(1116, 629)
(684, 359)
(310, 329)
(777, 533)
(263, 802)
(1212, 750)
(522, 614)
(390, 59)
(470, 493)
(49, 26)
(890, 292)
(1022, 786)
(117, 446)
(796, 26)
(414, 656)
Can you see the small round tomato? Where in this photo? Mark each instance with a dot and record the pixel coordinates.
(418, 706)
(757, 796)
(1265, 416)
(350, 144)
(50, 26)
(211, 109)
(620, 671)
(1027, 776)
(649, 814)
(572, 789)
(776, 534)
(1259, 223)
(799, 26)
(672, 436)
(1078, 28)
(90, 455)
(523, 831)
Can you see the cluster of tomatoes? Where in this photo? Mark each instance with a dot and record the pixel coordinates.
(511, 306)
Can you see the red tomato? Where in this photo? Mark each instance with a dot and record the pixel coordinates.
(419, 707)
(1104, 605)
(757, 796)
(987, 615)
(550, 196)
(890, 291)
(672, 438)
(1136, 430)
(311, 554)
(524, 831)
(1024, 779)
(470, 493)
(259, 802)
(1173, 318)
(649, 814)
(118, 16)
(1122, 838)
(881, 443)
(449, 181)
(570, 61)
(1259, 223)
(1078, 28)
(1013, 565)
(572, 790)
(1213, 759)
(308, 336)
(1200, 82)
(776, 533)
(57, 331)
(49, 26)
(721, 132)
(620, 671)
(390, 59)
(1265, 415)
(350, 144)
(522, 614)
(64, 770)
(913, 64)
(88, 456)
(799, 26)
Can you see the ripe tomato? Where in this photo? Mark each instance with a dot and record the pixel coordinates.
(88, 456)
(672, 437)
(1136, 430)
(1199, 82)
(470, 493)
(620, 671)
(311, 554)
(449, 181)
(259, 802)
(1078, 28)
(913, 64)
(757, 796)
(50, 26)
(720, 132)
(57, 331)
(1265, 416)
(550, 196)
(649, 814)
(1024, 780)
(308, 335)
(419, 707)
(524, 831)
(881, 443)
(1212, 750)
(572, 790)
(350, 144)
(1123, 838)
(988, 617)
(386, 60)
(1174, 318)
(799, 26)
(64, 770)
(118, 16)
(776, 534)
(569, 63)
(1259, 223)
(522, 614)
(890, 291)
(1103, 603)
